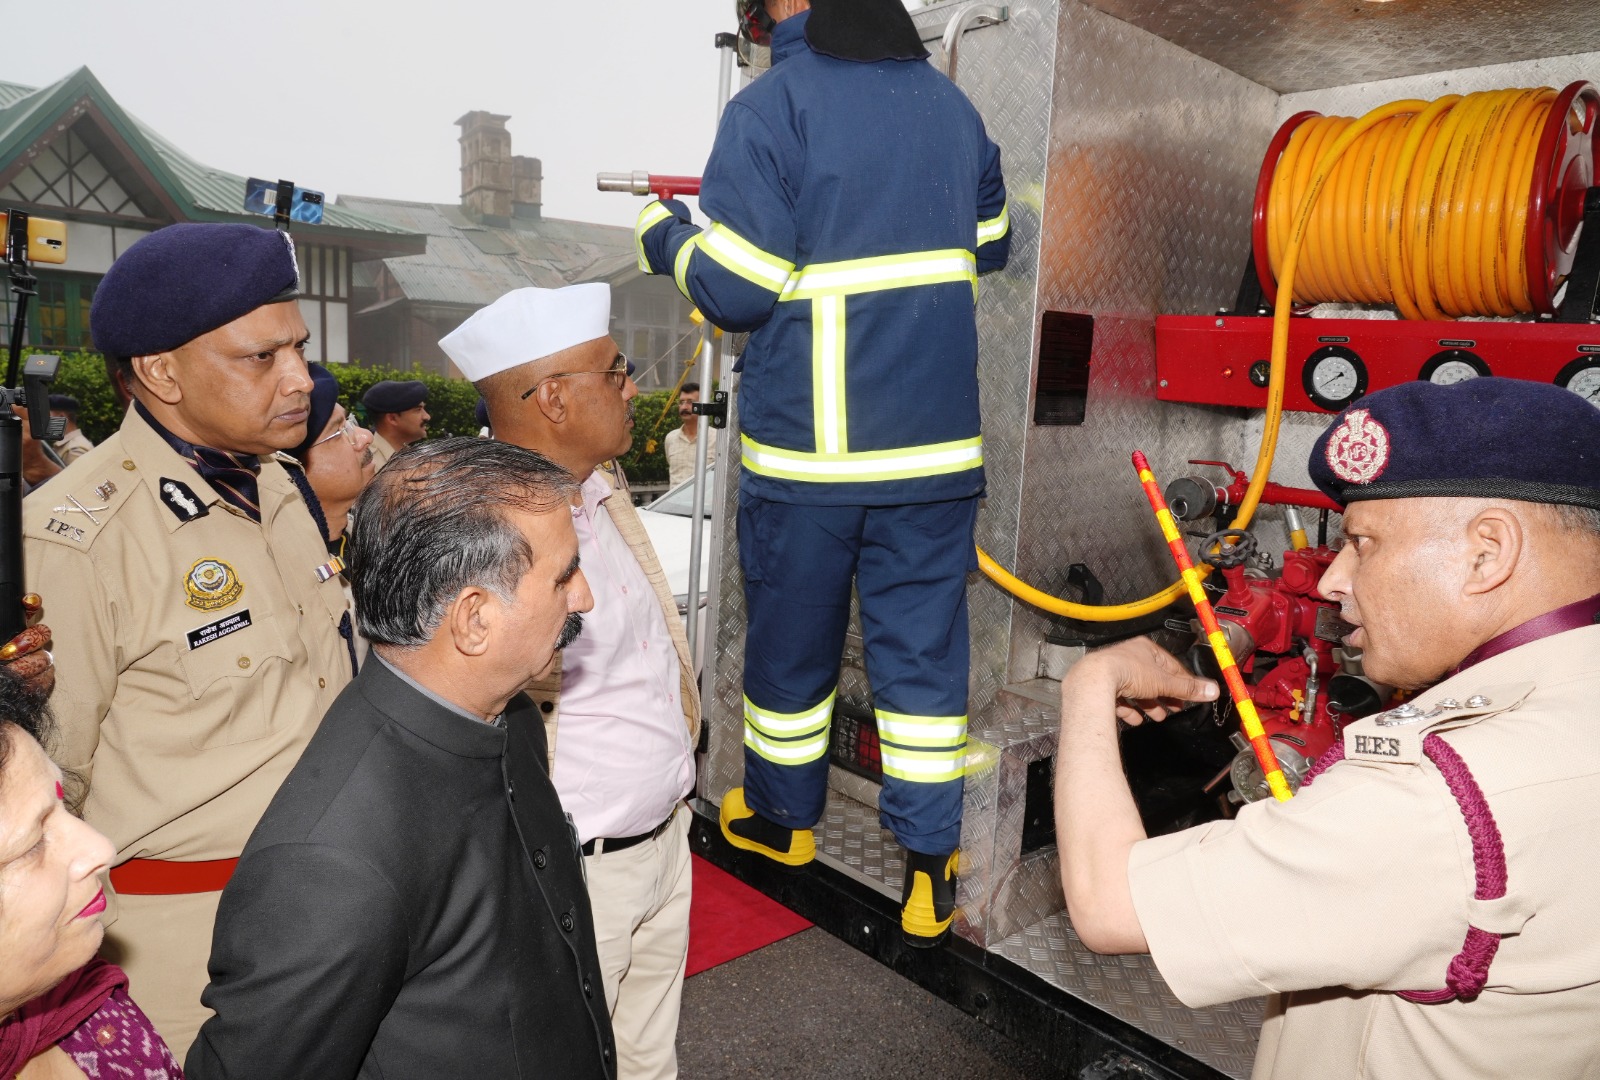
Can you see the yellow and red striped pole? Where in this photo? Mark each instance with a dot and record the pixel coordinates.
(1250, 721)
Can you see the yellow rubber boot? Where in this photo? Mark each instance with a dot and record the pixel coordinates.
(749, 831)
(928, 900)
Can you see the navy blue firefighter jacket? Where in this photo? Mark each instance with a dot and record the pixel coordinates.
(852, 207)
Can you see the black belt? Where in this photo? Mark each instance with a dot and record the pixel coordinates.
(623, 842)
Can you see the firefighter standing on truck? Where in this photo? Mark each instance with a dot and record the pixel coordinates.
(854, 198)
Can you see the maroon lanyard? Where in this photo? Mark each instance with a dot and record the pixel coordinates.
(1559, 621)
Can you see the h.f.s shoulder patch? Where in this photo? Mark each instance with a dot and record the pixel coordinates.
(211, 585)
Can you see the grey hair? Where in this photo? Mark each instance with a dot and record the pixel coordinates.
(438, 519)
(1583, 520)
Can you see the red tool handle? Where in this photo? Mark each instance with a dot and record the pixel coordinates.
(670, 187)
(660, 185)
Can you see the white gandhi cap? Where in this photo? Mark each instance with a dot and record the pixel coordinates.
(528, 324)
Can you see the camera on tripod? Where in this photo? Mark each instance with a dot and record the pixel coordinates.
(28, 240)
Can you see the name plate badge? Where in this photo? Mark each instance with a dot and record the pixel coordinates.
(218, 630)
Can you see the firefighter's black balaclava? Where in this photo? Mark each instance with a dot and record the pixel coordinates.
(864, 30)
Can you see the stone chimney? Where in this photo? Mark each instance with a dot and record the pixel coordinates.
(486, 168)
(527, 176)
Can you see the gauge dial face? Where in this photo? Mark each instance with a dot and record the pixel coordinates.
(1452, 371)
(1586, 384)
(1453, 366)
(1334, 377)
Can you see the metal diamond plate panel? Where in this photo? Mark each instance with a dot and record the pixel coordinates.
(1353, 100)
(1131, 989)
(1291, 45)
(1153, 156)
(1007, 71)
(850, 837)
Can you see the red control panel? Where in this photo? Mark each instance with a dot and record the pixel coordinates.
(1223, 359)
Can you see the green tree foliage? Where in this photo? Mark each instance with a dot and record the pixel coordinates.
(451, 404)
(646, 463)
(83, 376)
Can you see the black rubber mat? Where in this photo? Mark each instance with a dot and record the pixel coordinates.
(811, 1006)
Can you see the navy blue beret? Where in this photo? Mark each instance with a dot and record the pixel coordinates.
(186, 280)
(391, 397)
(1482, 438)
(324, 396)
(64, 403)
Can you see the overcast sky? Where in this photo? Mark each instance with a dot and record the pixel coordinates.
(361, 97)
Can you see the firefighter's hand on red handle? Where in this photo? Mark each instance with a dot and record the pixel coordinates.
(25, 656)
(1148, 682)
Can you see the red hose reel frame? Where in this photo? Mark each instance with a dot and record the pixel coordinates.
(1221, 359)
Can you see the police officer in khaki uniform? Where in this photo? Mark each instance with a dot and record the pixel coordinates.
(399, 415)
(1437, 869)
(74, 444)
(197, 630)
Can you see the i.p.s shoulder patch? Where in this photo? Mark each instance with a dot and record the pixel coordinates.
(73, 517)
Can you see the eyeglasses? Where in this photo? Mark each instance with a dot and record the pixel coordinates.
(348, 429)
(619, 372)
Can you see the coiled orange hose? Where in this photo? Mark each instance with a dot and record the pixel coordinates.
(1427, 210)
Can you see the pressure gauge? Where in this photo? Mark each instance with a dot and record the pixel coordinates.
(1582, 377)
(1453, 366)
(1334, 376)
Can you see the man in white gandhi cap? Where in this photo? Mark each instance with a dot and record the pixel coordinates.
(624, 693)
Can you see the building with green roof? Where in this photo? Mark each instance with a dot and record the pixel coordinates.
(68, 151)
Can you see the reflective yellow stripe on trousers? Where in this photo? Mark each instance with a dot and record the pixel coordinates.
(922, 749)
(788, 738)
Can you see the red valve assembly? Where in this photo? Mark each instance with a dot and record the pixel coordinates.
(1284, 634)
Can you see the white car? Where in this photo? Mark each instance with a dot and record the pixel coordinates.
(668, 521)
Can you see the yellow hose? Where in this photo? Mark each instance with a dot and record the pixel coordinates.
(1426, 211)
(1315, 179)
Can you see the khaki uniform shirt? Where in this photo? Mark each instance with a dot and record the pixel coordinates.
(546, 692)
(72, 446)
(680, 452)
(382, 450)
(1362, 885)
(195, 654)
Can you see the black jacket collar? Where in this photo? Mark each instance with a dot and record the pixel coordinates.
(427, 719)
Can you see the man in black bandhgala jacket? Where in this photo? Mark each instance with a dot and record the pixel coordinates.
(412, 903)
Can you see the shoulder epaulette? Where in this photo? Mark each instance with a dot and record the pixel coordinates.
(75, 506)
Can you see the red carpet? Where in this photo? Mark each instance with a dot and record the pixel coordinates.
(728, 918)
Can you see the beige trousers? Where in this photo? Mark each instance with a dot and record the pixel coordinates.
(164, 944)
(640, 897)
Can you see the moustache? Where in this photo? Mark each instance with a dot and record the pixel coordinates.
(1333, 627)
(569, 631)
